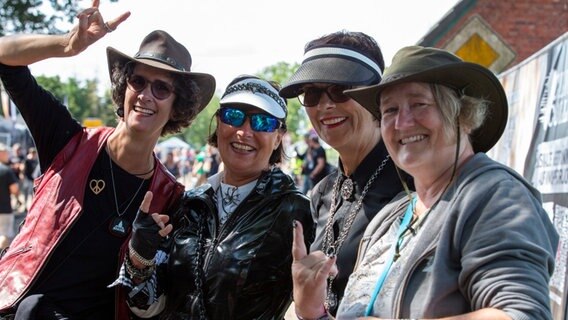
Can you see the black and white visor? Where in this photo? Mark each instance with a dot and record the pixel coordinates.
(332, 64)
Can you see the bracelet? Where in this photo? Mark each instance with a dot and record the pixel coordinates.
(135, 273)
(142, 260)
(324, 315)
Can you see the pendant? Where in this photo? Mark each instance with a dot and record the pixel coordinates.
(347, 189)
(331, 298)
(119, 227)
(330, 252)
(97, 186)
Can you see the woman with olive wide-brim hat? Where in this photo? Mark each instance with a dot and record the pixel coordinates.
(76, 232)
(473, 241)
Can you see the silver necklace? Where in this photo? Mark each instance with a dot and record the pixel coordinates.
(331, 247)
(120, 226)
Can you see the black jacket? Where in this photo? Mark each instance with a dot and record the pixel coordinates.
(241, 270)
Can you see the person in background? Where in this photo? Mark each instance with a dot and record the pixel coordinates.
(8, 188)
(172, 164)
(69, 249)
(307, 164)
(228, 255)
(344, 202)
(214, 161)
(320, 166)
(201, 167)
(31, 172)
(473, 241)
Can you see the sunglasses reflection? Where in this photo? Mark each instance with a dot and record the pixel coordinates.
(259, 122)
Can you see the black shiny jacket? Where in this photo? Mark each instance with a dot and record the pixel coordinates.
(241, 270)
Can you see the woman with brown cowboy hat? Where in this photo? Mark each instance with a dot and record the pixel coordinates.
(93, 180)
(473, 241)
(346, 200)
(230, 253)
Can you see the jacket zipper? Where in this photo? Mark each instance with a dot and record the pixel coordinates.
(40, 270)
(400, 295)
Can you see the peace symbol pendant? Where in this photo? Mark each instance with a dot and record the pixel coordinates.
(119, 227)
(347, 189)
(97, 186)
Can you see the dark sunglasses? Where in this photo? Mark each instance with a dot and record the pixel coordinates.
(310, 96)
(160, 89)
(259, 122)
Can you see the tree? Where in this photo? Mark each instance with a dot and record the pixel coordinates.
(80, 97)
(36, 15)
(297, 121)
(199, 130)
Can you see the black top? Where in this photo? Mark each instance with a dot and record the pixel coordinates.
(7, 178)
(381, 191)
(318, 153)
(85, 262)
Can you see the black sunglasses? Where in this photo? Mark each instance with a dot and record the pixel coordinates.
(259, 122)
(160, 89)
(310, 96)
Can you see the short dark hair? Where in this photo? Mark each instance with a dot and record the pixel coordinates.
(357, 40)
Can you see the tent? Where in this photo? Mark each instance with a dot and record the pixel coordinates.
(173, 143)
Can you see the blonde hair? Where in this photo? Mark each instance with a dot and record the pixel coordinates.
(469, 111)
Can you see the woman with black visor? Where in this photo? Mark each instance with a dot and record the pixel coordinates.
(344, 202)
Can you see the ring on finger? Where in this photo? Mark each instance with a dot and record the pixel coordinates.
(108, 28)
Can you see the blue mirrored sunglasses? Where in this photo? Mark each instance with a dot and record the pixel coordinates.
(259, 122)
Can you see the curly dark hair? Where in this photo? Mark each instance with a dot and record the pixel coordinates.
(277, 155)
(185, 107)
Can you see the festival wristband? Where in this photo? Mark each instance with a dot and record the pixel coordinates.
(324, 315)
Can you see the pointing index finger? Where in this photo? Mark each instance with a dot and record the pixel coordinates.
(299, 250)
(145, 205)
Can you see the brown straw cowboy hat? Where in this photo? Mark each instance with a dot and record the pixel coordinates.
(431, 65)
(160, 50)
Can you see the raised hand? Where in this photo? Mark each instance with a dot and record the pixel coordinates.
(309, 273)
(147, 233)
(91, 27)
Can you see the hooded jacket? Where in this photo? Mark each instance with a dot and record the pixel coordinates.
(487, 244)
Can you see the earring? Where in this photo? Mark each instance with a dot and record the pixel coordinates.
(120, 112)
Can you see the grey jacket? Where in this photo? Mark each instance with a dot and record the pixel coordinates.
(488, 243)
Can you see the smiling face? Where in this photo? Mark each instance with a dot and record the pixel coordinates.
(343, 124)
(413, 129)
(143, 112)
(245, 153)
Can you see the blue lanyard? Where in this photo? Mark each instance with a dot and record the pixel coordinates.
(381, 281)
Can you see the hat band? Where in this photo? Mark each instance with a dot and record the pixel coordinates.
(161, 58)
(254, 88)
(336, 51)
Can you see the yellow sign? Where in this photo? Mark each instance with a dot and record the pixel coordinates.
(92, 122)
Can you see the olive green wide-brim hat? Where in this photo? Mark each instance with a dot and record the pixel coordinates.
(432, 65)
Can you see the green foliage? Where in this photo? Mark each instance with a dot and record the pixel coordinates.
(80, 97)
(297, 120)
(198, 132)
(37, 15)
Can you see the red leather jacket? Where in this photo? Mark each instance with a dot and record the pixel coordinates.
(57, 204)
